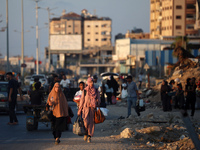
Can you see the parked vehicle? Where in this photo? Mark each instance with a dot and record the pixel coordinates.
(27, 80)
(42, 79)
(4, 96)
(4, 107)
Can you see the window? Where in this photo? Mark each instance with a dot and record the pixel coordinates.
(88, 39)
(178, 27)
(104, 39)
(88, 26)
(76, 33)
(96, 26)
(178, 17)
(96, 39)
(96, 33)
(178, 7)
(69, 33)
(88, 33)
(69, 26)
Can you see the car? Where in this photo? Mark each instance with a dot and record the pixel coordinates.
(27, 80)
(4, 106)
(42, 79)
(4, 96)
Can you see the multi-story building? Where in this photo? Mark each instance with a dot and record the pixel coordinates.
(174, 18)
(81, 42)
(67, 24)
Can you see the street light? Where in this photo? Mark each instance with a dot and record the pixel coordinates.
(8, 65)
(37, 44)
(49, 13)
(39, 40)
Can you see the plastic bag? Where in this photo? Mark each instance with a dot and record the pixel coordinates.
(78, 127)
(104, 111)
(77, 98)
(124, 93)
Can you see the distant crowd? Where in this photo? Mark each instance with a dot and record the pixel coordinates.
(183, 99)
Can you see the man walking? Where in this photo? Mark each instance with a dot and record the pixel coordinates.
(132, 95)
(13, 87)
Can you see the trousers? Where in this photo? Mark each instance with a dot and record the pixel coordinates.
(12, 114)
(132, 102)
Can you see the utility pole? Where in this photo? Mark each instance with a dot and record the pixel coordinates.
(49, 53)
(37, 50)
(22, 43)
(49, 60)
(8, 64)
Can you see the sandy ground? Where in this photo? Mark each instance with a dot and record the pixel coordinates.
(106, 137)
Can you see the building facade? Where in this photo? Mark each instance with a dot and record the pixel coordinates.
(81, 42)
(174, 18)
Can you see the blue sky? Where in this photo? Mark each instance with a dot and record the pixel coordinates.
(125, 15)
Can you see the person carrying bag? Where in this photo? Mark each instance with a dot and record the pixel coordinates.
(99, 117)
(78, 127)
(88, 104)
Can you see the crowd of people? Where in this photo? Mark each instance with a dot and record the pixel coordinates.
(93, 94)
(183, 99)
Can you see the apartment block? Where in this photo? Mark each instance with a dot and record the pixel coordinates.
(97, 32)
(174, 18)
(67, 24)
(81, 42)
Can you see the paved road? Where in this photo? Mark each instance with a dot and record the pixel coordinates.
(18, 138)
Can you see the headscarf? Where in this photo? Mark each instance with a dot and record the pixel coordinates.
(60, 102)
(91, 89)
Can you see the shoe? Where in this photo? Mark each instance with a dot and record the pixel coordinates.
(85, 137)
(89, 140)
(15, 123)
(57, 141)
(138, 113)
(121, 117)
(128, 116)
(10, 123)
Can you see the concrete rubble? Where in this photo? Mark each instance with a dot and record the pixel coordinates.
(158, 131)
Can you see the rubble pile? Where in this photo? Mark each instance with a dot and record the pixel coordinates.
(160, 131)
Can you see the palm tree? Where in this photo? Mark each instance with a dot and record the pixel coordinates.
(180, 41)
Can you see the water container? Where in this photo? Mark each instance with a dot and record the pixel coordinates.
(141, 103)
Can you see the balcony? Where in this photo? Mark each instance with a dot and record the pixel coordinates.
(191, 31)
(191, 11)
(190, 1)
(190, 21)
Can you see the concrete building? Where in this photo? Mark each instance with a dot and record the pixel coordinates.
(81, 43)
(130, 54)
(174, 18)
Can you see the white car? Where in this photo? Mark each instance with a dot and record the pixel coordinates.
(42, 79)
(27, 80)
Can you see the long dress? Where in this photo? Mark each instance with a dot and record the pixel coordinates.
(165, 98)
(88, 110)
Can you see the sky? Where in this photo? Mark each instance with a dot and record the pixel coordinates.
(125, 15)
